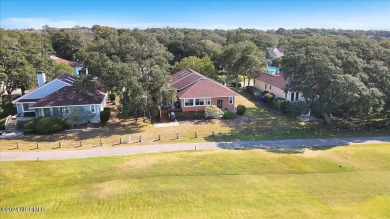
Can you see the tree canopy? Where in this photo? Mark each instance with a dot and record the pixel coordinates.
(349, 76)
(203, 65)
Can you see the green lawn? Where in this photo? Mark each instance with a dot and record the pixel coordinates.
(339, 182)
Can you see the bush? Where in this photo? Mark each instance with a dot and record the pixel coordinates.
(297, 108)
(105, 116)
(233, 84)
(254, 92)
(112, 97)
(2, 124)
(30, 124)
(281, 104)
(229, 115)
(269, 97)
(47, 125)
(241, 110)
(213, 112)
(8, 109)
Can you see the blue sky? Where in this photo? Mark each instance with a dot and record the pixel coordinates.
(345, 14)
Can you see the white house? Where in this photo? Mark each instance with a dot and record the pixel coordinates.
(58, 96)
(275, 84)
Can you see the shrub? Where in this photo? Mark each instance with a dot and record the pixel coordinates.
(213, 112)
(30, 124)
(229, 115)
(47, 125)
(112, 97)
(8, 109)
(105, 116)
(269, 97)
(78, 116)
(297, 108)
(281, 104)
(233, 84)
(241, 110)
(2, 124)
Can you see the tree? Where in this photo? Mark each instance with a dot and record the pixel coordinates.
(242, 58)
(345, 75)
(78, 116)
(202, 65)
(22, 54)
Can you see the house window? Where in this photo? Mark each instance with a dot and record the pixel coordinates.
(230, 100)
(265, 86)
(208, 101)
(285, 95)
(254, 81)
(46, 112)
(92, 109)
(188, 102)
(65, 110)
(57, 111)
(292, 96)
(26, 107)
(296, 96)
(199, 102)
(39, 112)
(270, 87)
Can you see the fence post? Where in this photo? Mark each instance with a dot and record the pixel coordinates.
(213, 134)
(120, 140)
(140, 138)
(195, 147)
(128, 139)
(81, 144)
(101, 142)
(37, 146)
(59, 144)
(159, 137)
(196, 135)
(17, 145)
(177, 135)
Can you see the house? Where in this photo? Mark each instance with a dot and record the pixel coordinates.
(57, 97)
(276, 84)
(274, 53)
(77, 66)
(195, 91)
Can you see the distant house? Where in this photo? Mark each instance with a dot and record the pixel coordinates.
(58, 96)
(276, 84)
(195, 91)
(77, 66)
(274, 53)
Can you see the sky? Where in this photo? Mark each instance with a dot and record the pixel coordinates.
(213, 14)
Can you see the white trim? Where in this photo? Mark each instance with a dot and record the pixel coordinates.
(62, 106)
(232, 101)
(40, 88)
(194, 102)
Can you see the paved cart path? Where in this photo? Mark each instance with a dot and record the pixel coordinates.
(290, 143)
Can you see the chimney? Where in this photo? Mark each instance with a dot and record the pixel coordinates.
(41, 78)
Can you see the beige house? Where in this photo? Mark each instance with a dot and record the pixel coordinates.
(275, 84)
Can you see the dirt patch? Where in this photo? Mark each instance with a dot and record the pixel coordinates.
(107, 189)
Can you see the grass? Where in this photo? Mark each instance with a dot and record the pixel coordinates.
(339, 182)
(259, 123)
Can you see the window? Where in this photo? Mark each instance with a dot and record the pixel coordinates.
(26, 107)
(199, 102)
(46, 112)
(92, 109)
(296, 96)
(231, 100)
(285, 95)
(265, 86)
(254, 81)
(270, 87)
(208, 101)
(57, 111)
(292, 96)
(188, 102)
(39, 112)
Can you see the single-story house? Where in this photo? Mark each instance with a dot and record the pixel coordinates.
(58, 96)
(276, 84)
(77, 66)
(195, 91)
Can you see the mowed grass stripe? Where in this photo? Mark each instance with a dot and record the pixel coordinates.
(340, 182)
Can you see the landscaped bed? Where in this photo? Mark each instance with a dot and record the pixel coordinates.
(339, 182)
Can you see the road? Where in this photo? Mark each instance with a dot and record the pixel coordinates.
(290, 143)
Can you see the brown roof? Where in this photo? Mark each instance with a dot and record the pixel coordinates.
(192, 84)
(273, 80)
(70, 63)
(71, 95)
(67, 78)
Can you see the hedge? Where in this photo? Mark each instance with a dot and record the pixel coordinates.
(229, 115)
(105, 115)
(47, 125)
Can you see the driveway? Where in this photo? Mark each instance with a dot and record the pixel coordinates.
(291, 143)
